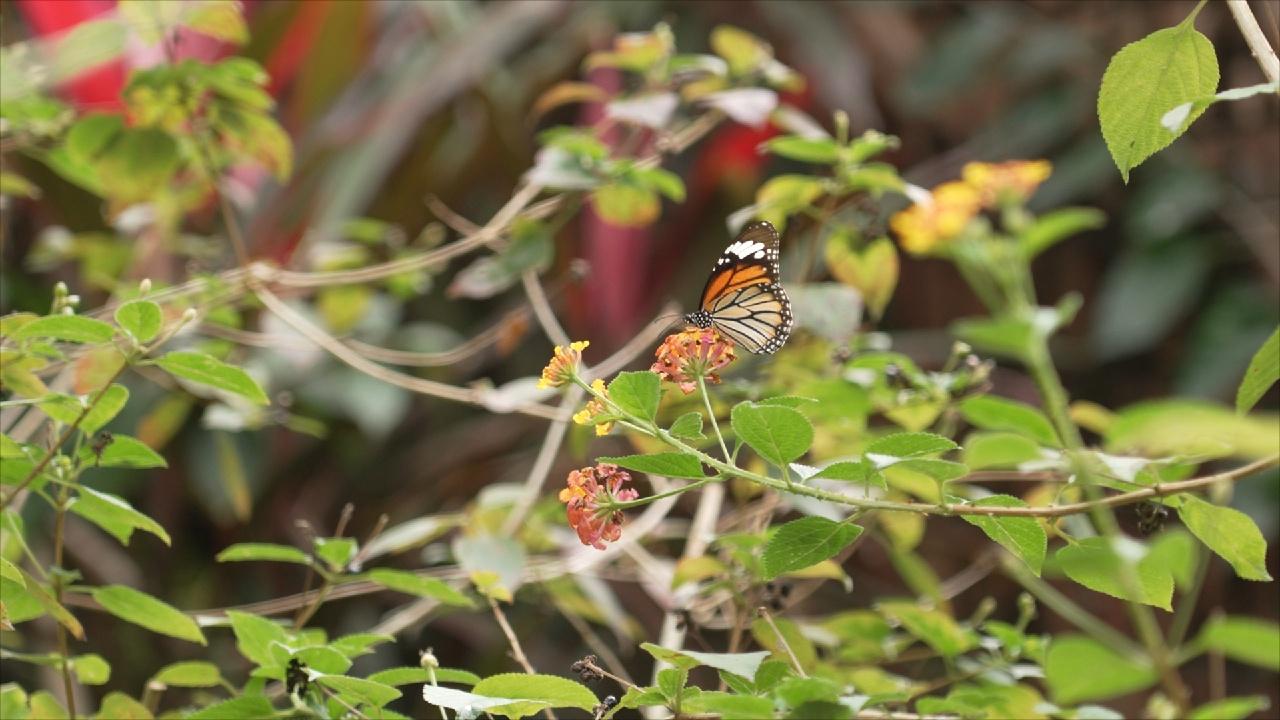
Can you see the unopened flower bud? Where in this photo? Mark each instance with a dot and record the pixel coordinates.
(188, 315)
(427, 659)
(144, 287)
(60, 290)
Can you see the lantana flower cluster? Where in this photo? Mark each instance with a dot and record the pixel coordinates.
(927, 226)
(589, 499)
(684, 357)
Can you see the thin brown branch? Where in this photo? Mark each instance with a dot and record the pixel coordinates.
(517, 652)
(782, 640)
(357, 361)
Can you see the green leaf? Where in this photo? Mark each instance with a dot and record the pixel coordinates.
(51, 605)
(987, 450)
(107, 407)
(91, 669)
(241, 552)
(123, 451)
(357, 644)
(11, 572)
(191, 673)
(872, 269)
(208, 370)
(402, 676)
(1234, 708)
(1052, 227)
(115, 515)
(335, 552)
(636, 393)
(934, 627)
(1092, 563)
(1263, 372)
(413, 584)
(247, 707)
(1228, 532)
(823, 151)
(862, 472)
(940, 470)
(728, 705)
(778, 434)
(547, 689)
(664, 181)
(673, 465)
(1080, 668)
(68, 328)
(688, 427)
(995, 413)
(142, 609)
(1147, 79)
(1022, 536)
(805, 542)
(254, 636)
(742, 664)
(1249, 640)
(118, 706)
(743, 51)
(322, 659)
(905, 445)
(142, 318)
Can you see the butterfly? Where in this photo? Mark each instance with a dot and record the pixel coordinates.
(742, 298)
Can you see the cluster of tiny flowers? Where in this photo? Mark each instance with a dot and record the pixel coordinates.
(588, 498)
(930, 224)
(595, 413)
(685, 356)
(563, 367)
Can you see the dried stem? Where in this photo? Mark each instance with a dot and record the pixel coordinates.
(1258, 45)
(782, 641)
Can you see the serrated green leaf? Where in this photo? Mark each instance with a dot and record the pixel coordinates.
(1147, 79)
(804, 542)
(106, 408)
(34, 590)
(241, 552)
(401, 676)
(1229, 533)
(68, 328)
(142, 609)
(987, 450)
(995, 413)
(115, 515)
(208, 370)
(118, 706)
(1250, 640)
(742, 664)
(1092, 563)
(861, 472)
(673, 465)
(778, 434)
(142, 318)
(11, 572)
(637, 393)
(357, 644)
(662, 180)
(413, 584)
(911, 444)
(1080, 668)
(1022, 536)
(1263, 372)
(191, 673)
(547, 689)
(688, 427)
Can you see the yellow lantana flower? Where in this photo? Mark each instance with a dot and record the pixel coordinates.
(925, 226)
(1012, 181)
(595, 408)
(563, 366)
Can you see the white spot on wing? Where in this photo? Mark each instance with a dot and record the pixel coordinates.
(744, 249)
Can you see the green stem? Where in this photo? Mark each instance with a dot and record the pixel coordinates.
(711, 414)
(1070, 611)
(1182, 618)
(639, 502)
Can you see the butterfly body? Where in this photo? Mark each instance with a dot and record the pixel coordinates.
(742, 298)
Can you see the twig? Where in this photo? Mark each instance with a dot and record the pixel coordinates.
(542, 308)
(1257, 42)
(517, 652)
(782, 640)
(419, 385)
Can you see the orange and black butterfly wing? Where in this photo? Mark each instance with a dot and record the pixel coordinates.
(752, 258)
(742, 298)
